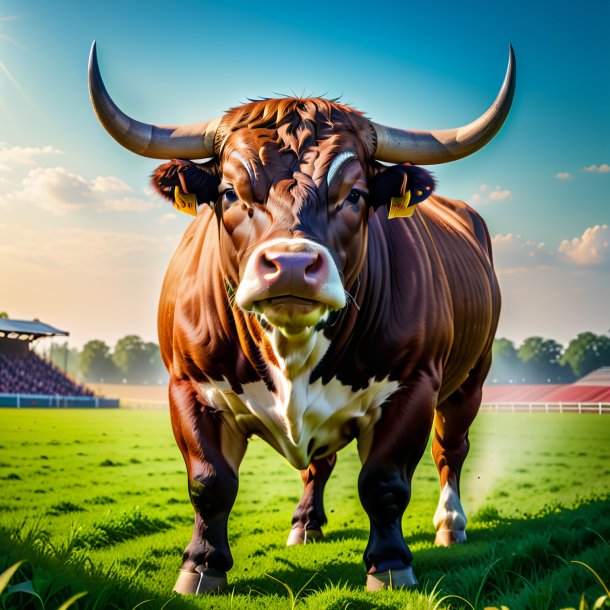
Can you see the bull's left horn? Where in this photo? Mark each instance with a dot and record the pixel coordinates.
(194, 141)
(431, 147)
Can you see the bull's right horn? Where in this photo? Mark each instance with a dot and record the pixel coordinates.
(444, 145)
(195, 141)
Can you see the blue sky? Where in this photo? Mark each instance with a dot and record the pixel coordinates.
(84, 244)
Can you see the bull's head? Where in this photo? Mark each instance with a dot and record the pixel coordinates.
(293, 183)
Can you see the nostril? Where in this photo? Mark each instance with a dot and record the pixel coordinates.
(268, 264)
(315, 266)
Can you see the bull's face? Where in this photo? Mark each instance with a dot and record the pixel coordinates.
(292, 207)
(293, 182)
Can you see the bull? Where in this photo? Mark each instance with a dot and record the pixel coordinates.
(295, 310)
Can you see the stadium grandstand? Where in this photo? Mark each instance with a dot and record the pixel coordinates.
(590, 394)
(27, 380)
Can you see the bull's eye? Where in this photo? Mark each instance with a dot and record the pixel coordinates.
(230, 195)
(354, 196)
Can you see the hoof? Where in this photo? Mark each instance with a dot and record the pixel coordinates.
(392, 579)
(203, 580)
(299, 535)
(449, 537)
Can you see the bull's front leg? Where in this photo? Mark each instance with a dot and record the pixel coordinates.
(389, 454)
(212, 450)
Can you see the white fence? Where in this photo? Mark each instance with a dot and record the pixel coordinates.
(599, 408)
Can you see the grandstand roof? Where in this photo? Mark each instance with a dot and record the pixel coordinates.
(598, 377)
(27, 330)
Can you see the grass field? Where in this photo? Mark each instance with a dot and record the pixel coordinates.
(96, 501)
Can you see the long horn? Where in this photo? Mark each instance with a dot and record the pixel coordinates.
(194, 141)
(430, 147)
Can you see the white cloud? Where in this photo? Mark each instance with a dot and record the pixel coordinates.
(60, 191)
(109, 184)
(513, 253)
(599, 169)
(168, 218)
(591, 248)
(563, 175)
(126, 204)
(76, 250)
(485, 195)
(23, 155)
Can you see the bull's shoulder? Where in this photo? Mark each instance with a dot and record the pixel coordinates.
(456, 216)
(191, 267)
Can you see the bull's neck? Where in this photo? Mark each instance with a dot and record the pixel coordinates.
(265, 347)
(294, 355)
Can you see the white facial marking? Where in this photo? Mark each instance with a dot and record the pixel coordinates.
(301, 418)
(449, 515)
(246, 165)
(337, 163)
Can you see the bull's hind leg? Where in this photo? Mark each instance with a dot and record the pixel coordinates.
(212, 451)
(450, 447)
(309, 516)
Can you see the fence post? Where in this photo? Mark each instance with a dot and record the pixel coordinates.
(600, 408)
(579, 408)
(19, 401)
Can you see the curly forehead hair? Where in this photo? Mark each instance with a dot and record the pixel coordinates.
(298, 123)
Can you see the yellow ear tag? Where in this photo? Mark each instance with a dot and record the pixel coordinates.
(185, 202)
(399, 206)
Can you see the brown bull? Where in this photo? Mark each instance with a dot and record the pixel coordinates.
(294, 309)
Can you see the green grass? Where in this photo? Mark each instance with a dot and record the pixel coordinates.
(97, 501)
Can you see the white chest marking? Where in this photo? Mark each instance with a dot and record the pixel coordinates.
(299, 418)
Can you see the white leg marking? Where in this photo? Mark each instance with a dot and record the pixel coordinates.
(449, 515)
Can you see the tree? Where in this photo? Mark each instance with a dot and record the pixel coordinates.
(95, 364)
(138, 361)
(587, 353)
(4, 315)
(66, 358)
(541, 358)
(505, 365)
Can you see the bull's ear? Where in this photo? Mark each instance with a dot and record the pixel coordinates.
(186, 184)
(400, 187)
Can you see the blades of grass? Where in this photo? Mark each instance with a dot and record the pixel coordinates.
(442, 599)
(583, 603)
(8, 574)
(600, 602)
(70, 601)
(146, 601)
(292, 598)
(486, 573)
(598, 535)
(303, 587)
(171, 599)
(601, 582)
(433, 594)
(27, 588)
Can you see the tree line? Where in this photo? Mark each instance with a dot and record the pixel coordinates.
(132, 360)
(540, 360)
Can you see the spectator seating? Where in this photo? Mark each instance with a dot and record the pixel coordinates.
(29, 374)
